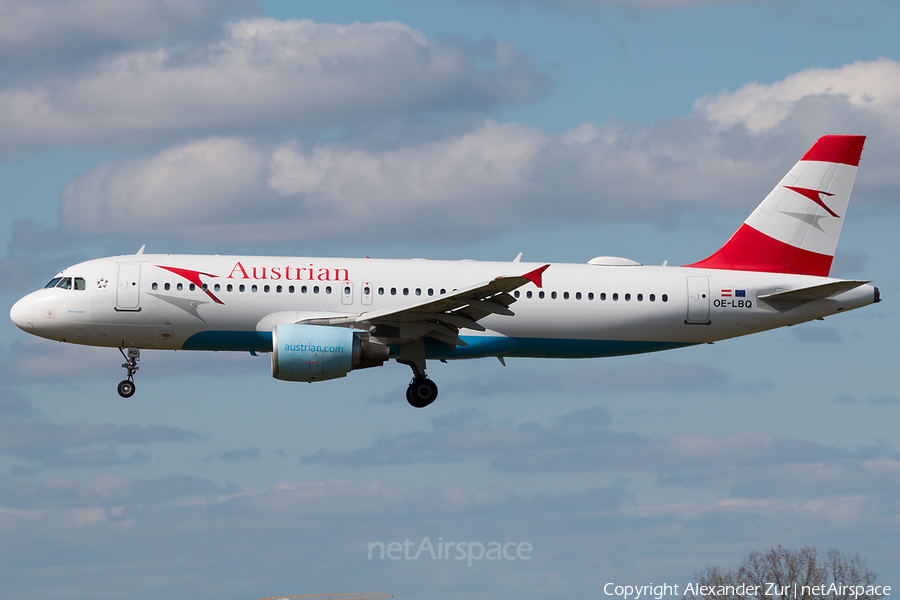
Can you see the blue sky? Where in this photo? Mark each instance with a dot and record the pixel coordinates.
(461, 129)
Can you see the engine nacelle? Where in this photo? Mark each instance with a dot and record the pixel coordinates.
(320, 352)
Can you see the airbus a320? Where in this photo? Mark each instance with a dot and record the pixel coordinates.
(321, 318)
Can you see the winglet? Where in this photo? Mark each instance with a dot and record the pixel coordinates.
(535, 276)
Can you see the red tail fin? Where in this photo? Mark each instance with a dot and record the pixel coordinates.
(796, 227)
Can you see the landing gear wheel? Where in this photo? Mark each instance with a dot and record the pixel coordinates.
(421, 393)
(126, 388)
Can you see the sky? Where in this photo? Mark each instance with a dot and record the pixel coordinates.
(562, 129)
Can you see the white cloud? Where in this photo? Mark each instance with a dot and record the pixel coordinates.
(55, 35)
(27, 22)
(870, 86)
(498, 176)
(186, 537)
(162, 192)
(744, 463)
(629, 4)
(268, 74)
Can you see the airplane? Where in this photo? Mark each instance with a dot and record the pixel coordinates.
(321, 318)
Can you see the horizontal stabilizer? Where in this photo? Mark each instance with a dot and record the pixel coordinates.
(816, 292)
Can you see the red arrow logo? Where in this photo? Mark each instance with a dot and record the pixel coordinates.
(814, 196)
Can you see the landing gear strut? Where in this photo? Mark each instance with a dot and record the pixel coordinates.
(126, 386)
(421, 391)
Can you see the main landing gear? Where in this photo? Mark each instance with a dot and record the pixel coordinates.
(126, 386)
(421, 391)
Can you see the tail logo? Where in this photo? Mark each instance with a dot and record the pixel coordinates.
(815, 196)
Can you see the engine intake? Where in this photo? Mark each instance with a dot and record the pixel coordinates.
(320, 352)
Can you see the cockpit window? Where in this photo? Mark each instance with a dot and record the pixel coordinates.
(53, 282)
(79, 283)
(65, 283)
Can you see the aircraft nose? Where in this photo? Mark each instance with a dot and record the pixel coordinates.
(20, 314)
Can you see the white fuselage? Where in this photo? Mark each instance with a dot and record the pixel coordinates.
(581, 310)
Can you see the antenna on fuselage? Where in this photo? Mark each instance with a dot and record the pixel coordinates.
(518, 258)
(141, 251)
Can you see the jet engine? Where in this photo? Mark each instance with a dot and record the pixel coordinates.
(320, 352)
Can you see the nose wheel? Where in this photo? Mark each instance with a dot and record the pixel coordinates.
(126, 387)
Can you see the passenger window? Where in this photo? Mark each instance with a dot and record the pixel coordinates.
(541, 295)
(290, 289)
(266, 289)
(431, 291)
(590, 295)
(627, 297)
(204, 287)
(303, 289)
(418, 291)
(241, 287)
(327, 289)
(665, 298)
(616, 296)
(180, 287)
(578, 295)
(217, 287)
(154, 286)
(516, 293)
(366, 290)
(315, 289)
(228, 288)
(253, 288)
(80, 285)
(652, 297)
(603, 295)
(192, 287)
(640, 297)
(565, 295)
(52, 283)
(393, 291)
(528, 294)
(406, 291)
(443, 291)
(381, 291)
(553, 295)
(278, 288)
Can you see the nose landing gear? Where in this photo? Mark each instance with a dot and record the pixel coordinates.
(126, 387)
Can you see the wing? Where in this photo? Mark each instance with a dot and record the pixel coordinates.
(440, 318)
